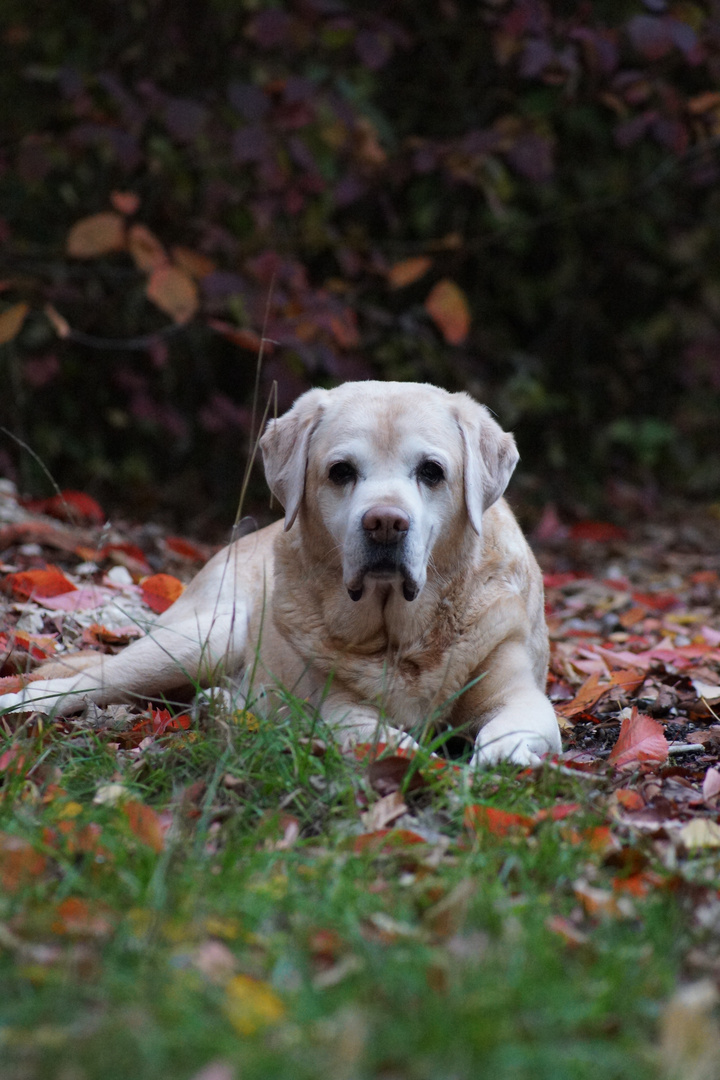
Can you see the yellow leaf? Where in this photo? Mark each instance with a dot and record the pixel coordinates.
(408, 271)
(11, 321)
(700, 833)
(447, 306)
(251, 1004)
(96, 235)
(70, 810)
(145, 248)
(173, 292)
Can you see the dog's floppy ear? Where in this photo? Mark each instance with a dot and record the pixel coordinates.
(489, 458)
(285, 445)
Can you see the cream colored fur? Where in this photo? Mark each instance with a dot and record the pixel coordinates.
(444, 625)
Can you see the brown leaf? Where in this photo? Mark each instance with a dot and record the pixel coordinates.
(19, 862)
(173, 292)
(408, 271)
(98, 234)
(145, 248)
(386, 810)
(711, 786)
(194, 263)
(11, 321)
(388, 775)
(447, 306)
(641, 739)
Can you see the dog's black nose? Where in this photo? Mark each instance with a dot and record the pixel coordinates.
(385, 524)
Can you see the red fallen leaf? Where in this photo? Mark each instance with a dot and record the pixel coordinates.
(386, 841)
(98, 234)
(12, 757)
(656, 601)
(388, 774)
(641, 739)
(145, 824)
(448, 308)
(601, 531)
(125, 202)
(185, 548)
(478, 818)
(159, 721)
(567, 930)
(160, 591)
(38, 646)
(245, 339)
(72, 506)
(42, 583)
(366, 751)
(408, 271)
(638, 884)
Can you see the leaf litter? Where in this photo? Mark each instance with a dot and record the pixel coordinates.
(634, 620)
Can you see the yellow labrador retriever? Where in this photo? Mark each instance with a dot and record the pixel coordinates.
(399, 591)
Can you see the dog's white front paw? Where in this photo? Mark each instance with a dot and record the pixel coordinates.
(25, 701)
(513, 738)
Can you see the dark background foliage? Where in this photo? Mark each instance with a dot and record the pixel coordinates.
(308, 172)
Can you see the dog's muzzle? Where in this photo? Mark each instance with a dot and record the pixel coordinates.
(385, 529)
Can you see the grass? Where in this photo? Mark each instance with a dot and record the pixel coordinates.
(260, 934)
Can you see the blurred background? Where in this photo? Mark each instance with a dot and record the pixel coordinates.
(511, 197)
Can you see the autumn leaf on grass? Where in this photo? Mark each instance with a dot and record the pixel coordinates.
(96, 235)
(479, 818)
(173, 292)
(448, 308)
(251, 1004)
(11, 321)
(41, 583)
(19, 863)
(641, 739)
(160, 591)
(145, 824)
(408, 271)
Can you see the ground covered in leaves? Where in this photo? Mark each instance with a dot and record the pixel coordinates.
(192, 893)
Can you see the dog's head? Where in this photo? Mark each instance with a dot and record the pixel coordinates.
(389, 471)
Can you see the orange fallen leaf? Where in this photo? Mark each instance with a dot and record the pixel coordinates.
(98, 234)
(629, 799)
(447, 306)
(641, 739)
(193, 262)
(43, 583)
(81, 918)
(567, 930)
(19, 862)
(11, 321)
(185, 548)
(70, 506)
(385, 841)
(145, 824)
(160, 591)
(478, 818)
(408, 271)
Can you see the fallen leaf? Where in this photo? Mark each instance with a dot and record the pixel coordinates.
(145, 824)
(72, 506)
(711, 786)
(479, 818)
(98, 234)
(147, 251)
(641, 739)
(11, 321)
(251, 1004)
(385, 841)
(174, 292)
(700, 833)
(46, 583)
(597, 901)
(194, 263)
(19, 862)
(408, 271)
(125, 202)
(599, 531)
(185, 548)
(567, 930)
(706, 690)
(386, 810)
(689, 1033)
(447, 306)
(160, 591)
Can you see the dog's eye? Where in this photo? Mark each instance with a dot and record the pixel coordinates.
(430, 473)
(341, 473)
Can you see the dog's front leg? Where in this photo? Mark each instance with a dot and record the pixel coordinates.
(174, 653)
(521, 724)
(352, 724)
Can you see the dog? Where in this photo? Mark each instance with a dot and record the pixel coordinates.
(398, 592)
